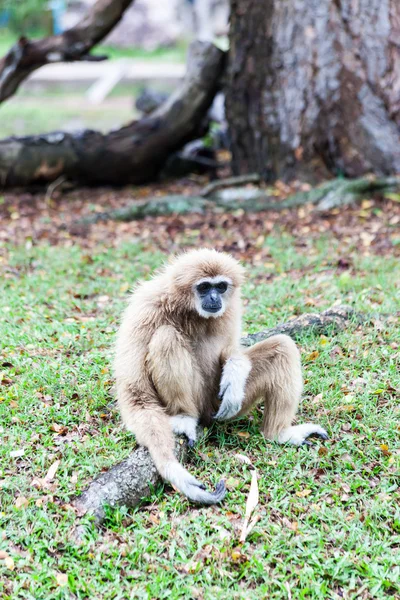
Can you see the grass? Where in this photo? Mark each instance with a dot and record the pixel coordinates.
(175, 53)
(34, 115)
(330, 519)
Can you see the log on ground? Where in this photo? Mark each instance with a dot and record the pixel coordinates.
(135, 153)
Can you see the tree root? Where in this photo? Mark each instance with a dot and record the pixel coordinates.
(132, 479)
(332, 194)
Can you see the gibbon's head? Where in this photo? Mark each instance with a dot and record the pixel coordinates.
(206, 280)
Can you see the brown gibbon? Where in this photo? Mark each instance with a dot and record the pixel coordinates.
(179, 362)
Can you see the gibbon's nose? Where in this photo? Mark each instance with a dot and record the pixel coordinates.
(214, 297)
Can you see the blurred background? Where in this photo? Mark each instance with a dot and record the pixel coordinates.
(146, 49)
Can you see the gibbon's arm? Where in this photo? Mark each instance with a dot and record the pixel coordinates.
(235, 372)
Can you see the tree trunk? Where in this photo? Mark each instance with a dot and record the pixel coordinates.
(133, 154)
(74, 44)
(313, 87)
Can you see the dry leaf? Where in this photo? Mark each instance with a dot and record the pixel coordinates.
(9, 562)
(17, 453)
(243, 459)
(60, 429)
(385, 450)
(244, 434)
(51, 472)
(3, 554)
(62, 579)
(252, 501)
(303, 493)
(313, 355)
(21, 502)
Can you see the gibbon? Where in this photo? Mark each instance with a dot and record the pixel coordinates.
(179, 362)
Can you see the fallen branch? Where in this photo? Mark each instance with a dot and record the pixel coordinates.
(73, 45)
(218, 184)
(129, 481)
(133, 154)
(335, 318)
(326, 196)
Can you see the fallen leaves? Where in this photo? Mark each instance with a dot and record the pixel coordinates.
(17, 453)
(21, 502)
(46, 481)
(252, 500)
(60, 429)
(62, 579)
(385, 449)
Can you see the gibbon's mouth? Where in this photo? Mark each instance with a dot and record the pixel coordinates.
(212, 309)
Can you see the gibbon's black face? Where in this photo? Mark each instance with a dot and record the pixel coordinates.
(210, 293)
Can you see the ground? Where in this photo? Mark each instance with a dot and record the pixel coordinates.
(329, 515)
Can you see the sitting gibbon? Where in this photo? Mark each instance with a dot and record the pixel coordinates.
(179, 362)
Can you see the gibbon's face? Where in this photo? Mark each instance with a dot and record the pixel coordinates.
(211, 295)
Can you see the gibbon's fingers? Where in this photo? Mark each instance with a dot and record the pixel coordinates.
(193, 489)
(298, 434)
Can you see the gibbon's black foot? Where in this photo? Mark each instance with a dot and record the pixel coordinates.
(317, 434)
(200, 495)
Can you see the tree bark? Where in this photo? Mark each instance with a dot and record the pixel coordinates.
(73, 45)
(134, 154)
(313, 87)
(130, 480)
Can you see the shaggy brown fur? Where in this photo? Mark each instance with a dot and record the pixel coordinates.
(171, 361)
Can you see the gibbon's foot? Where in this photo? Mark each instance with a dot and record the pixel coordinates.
(187, 426)
(193, 489)
(298, 434)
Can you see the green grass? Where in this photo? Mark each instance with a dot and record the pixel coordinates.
(173, 54)
(50, 113)
(59, 311)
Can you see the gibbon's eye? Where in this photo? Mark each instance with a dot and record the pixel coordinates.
(222, 287)
(204, 287)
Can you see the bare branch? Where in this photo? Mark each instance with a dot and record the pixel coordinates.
(73, 45)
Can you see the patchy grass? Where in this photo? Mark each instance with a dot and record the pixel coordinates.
(330, 521)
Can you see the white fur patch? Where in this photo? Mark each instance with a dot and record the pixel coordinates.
(297, 434)
(232, 387)
(213, 281)
(186, 425)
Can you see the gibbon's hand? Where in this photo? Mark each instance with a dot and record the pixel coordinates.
(232, 387)
(230, 404)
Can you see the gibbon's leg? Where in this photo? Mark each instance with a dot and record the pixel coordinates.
(269, 370)
(276, 377)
